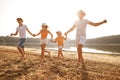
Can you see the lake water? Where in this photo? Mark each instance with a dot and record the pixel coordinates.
(86, 50)
(105, 49)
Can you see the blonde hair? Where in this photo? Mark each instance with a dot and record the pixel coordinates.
(59, 32)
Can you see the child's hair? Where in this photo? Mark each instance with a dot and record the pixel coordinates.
(44, 25)
(19, 19)
(59, 32)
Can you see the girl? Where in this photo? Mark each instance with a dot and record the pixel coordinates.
(43, 40)
(60, 43)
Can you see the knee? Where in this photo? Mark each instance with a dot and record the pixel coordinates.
(80, 45)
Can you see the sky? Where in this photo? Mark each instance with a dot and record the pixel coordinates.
(60, 15)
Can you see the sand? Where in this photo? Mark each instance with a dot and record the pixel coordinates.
(95, 67)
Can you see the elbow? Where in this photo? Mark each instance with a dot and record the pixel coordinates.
(95, 25)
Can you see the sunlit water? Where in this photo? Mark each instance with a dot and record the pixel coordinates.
(86, 50)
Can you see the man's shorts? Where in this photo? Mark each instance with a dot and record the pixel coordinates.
(21, 42)
(80, 40)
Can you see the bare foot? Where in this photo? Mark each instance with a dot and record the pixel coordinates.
(80, 62)
(22, 57)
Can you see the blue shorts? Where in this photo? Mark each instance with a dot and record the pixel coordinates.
(21, 42)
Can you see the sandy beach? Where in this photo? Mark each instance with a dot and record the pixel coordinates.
(95, 67)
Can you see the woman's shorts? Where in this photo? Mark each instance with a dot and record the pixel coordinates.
(43, 41)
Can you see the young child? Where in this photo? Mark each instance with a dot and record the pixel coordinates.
(80, 26)
(60, 43)
(43, 40)
(21, 29)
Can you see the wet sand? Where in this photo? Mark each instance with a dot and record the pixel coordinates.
(95, 67)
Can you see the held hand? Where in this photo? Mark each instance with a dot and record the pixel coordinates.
(33, 35)
(65, 33)
(51, 40)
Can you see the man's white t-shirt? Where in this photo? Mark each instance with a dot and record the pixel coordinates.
(22, 31)
(81, 27)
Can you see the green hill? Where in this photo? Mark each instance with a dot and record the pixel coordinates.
(107, 43)
(114, 39)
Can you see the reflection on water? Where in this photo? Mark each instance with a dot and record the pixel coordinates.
(86, 50)
(96, 48)
(91, 48)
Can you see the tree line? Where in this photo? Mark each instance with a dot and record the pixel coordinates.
(114, 39)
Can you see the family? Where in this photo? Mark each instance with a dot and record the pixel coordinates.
(80, 26)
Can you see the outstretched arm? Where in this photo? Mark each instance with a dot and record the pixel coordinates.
(14, 33)
(29, 31)
(38, 33)
(65, 38)
(97, 24)
(71, 29)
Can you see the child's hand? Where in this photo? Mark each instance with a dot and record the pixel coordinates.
(65, 33)
(51, 40)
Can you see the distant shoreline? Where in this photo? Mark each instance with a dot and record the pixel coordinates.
(112, 45)
(73, 49)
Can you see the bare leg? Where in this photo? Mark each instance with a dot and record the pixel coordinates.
(79, 50)
(21, 51)
(48, 53)
(24, 53)
(61, 54)
(42, 51)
